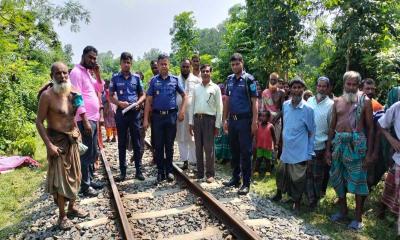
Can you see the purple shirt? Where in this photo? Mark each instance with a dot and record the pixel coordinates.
(88, 87)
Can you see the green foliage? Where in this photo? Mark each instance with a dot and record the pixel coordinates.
(185, 37)
(28, 47)
(237, 38)
(210, 40)
(362, 29)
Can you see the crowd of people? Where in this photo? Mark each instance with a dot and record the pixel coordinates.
(350, 140)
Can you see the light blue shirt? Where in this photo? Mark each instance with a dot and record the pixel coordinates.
(298, 132)
(322, 118)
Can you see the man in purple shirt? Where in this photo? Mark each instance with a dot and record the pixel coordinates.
(88, 115)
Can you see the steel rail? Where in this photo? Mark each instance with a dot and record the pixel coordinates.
(234, 224)
(127, 232)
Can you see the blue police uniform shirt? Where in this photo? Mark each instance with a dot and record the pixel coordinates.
(127, 89)
(164, 91)
(238, 96)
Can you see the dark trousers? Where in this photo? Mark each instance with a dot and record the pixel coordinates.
(240, 141)
(124, 122)
(204, 140)
(164, 127)
(89, 157)
(315, 176)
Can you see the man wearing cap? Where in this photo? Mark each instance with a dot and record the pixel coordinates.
(351, 139)
(317, 169)
(298, 144)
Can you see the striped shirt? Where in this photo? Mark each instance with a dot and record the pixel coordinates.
(322, 117)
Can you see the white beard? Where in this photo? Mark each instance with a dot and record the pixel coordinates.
(320, 96)
(62, 88)
(350, 97)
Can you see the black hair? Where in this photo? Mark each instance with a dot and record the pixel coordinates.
(88, 49)
(152, 62)
(206, 65)
(162, 57)
(186, 59)
(236, 57)
(125, 56)
(195, 56)
(297, 80)
(368, 81)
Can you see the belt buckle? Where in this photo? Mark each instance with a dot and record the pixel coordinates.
(234, 116)
(164, 112)
(201, 116)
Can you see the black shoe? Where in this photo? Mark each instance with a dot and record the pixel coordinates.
(244, 190)
(185, 165)
(277, 197)
(90, 192)
(139, 176)
(120, 178)
(170, 177)
(160, 177)
(97, 185)
(231, 183)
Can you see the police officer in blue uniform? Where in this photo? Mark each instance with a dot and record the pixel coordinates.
(161, 95)
(240, 121)
(126, 89)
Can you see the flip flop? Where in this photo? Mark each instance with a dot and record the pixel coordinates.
(356, 225)
(65, 224)
(78, 212)
(337, 217)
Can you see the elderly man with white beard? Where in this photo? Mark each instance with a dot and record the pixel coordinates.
(58, 105)
(351, 148)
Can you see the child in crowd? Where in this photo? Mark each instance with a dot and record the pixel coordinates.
(109, 114)
(265, 142)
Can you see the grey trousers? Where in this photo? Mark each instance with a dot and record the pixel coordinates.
(204, 126)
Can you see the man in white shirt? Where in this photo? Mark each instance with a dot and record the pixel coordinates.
(204, 113)
(186, 145)
(317, 169)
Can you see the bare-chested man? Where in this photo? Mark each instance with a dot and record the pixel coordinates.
(58, 105)
(351, 121)
(272, 100)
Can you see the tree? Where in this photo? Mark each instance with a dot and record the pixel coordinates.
(152, 54)
(276, 29)
(210, 40)
(185, 36)
(237, 38)
(28, 46)
(364, 31)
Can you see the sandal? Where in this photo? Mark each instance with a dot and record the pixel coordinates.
(77, 212)
(356, 225)
(337, 217)
(65, 223)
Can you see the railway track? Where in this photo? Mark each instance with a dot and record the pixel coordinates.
(178, 210)
(191, 209)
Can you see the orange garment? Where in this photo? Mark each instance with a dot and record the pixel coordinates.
(376, 106)
(111, 132)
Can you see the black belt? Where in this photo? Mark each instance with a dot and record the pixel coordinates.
(238, 116)
(201, 115)
(164, 112)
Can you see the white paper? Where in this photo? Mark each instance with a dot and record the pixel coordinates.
(129, 108)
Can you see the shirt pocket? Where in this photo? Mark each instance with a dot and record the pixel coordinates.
(131, 88)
